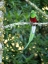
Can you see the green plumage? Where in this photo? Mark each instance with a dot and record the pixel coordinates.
(33, 14)
(30, 39)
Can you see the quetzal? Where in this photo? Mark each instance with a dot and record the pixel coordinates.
(33, 19)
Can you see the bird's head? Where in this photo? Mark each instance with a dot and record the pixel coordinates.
(33, 14)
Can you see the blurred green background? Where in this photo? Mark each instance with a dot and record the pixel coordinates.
(16, 38)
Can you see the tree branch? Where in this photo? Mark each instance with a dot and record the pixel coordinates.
(23, 23)
(33, 5)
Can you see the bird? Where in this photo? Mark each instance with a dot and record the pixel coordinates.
(33, 19)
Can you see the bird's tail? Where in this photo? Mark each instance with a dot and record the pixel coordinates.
(32, 34)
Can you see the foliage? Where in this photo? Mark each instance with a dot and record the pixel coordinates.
(16, 38)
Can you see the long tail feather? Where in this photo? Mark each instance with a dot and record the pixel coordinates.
(32, 33)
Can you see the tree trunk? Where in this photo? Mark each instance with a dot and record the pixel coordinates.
(1, 28)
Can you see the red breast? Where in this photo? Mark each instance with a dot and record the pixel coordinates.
(33, 20)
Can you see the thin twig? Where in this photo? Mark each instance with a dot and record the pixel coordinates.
(33, 5)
